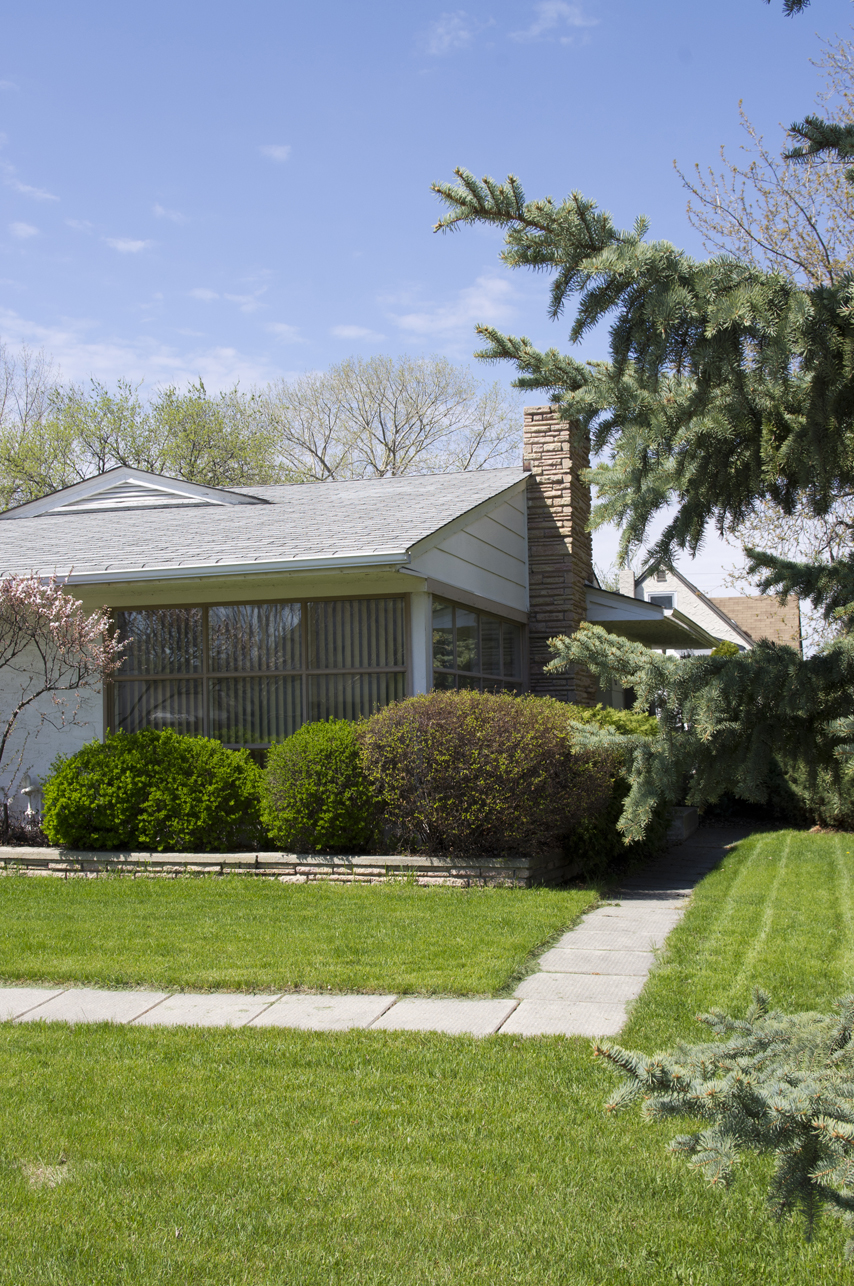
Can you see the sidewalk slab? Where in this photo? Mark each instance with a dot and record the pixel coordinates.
(455, 1017)
(610, 917)
(94, 1005)
(617, 939)
(15, 1001)
(584, 988)
(223, 1009)
(323, 1013)
(554, 1018)
(577, 960)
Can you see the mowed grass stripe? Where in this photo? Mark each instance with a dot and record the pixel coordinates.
(845, 893)
(758, 934)
(239, 933)
(776, 914)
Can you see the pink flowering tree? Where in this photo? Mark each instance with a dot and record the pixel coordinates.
(49, 648)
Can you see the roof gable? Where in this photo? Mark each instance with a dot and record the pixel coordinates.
(127, 488)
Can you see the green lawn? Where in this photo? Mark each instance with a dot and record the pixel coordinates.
(274, 1157)
(246, 934)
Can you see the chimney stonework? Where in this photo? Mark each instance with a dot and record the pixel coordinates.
(560, 550)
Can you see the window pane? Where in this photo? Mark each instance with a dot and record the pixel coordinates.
(164, 703)
(468, 681)
(511, 640)
(467, 658)
(261, 636)
(443, 681)
(245, 711)
(352, 633)
(490, 645)
(162, 641)
(347, 696)
(443, 635)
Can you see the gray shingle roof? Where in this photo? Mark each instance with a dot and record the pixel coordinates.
(324, 520)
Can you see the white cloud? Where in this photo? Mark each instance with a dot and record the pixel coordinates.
(355, 332)
(127, 246)
(201, 292)
(285, 334)
(275, 151)
(80, 225)
(175, 216)
(80, 354)
(12, 181)
(247, 303)
(488, 301)
(23, 230)
(451, 31)
(8, 84)
(553, 16)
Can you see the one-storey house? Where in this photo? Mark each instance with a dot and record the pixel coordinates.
(254, 609)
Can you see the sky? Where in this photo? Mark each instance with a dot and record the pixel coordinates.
(242, 192)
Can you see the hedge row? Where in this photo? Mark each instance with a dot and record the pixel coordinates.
(456, 773)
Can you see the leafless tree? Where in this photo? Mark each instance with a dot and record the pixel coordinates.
(386, 416)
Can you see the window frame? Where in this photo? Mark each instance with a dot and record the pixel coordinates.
(206, 673)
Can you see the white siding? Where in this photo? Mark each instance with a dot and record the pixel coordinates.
(488, 555)
(44, 730)
(692, 605)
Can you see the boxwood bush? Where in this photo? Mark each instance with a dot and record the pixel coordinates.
(316, 795)
(154, 790)
(470, 773)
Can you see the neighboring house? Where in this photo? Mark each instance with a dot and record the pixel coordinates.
(740, 620)
(254, 609)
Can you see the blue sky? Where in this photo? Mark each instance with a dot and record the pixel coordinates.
(243, 191)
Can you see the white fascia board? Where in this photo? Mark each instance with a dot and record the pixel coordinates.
(338, 562)
(606, 605)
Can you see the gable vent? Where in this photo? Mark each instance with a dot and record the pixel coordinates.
(132, 495)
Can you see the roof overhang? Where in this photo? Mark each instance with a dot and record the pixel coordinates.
(335, 562)
(642, 622)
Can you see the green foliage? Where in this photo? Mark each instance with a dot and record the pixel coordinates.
(779, 1084)
(316, 796)
(726, 648)
(472, 773)
(154, 790)
(628, 723)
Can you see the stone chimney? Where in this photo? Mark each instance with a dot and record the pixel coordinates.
(560, 551)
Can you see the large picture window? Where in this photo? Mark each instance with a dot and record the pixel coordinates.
(250, 674)
(475, 650)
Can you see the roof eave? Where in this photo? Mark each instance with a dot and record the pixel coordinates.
(336, 562)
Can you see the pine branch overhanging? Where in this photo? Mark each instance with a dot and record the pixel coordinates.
(775, 1083)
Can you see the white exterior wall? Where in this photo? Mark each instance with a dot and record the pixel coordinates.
(43, 730)
(486, 555)
(688, 602)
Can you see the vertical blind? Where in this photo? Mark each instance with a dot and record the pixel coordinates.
(258, 670)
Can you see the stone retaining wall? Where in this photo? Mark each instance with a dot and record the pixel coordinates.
(291, 868)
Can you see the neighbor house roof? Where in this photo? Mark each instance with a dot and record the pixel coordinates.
(763, 616)
(175, 529)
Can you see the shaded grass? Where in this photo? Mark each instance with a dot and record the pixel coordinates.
(268, 1157)
(243, 934)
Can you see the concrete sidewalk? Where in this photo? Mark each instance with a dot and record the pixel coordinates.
(582, 988)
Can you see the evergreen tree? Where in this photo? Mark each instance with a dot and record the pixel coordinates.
(727, 386)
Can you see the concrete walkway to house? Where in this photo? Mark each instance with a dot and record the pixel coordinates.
(582, 987)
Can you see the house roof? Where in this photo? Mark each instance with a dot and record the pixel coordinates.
(643, 622)
(337, 524)
(763, 616)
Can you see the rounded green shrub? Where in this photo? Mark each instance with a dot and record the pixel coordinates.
(154, 790)
(628, 723)
(470, 773)
(316, 796)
